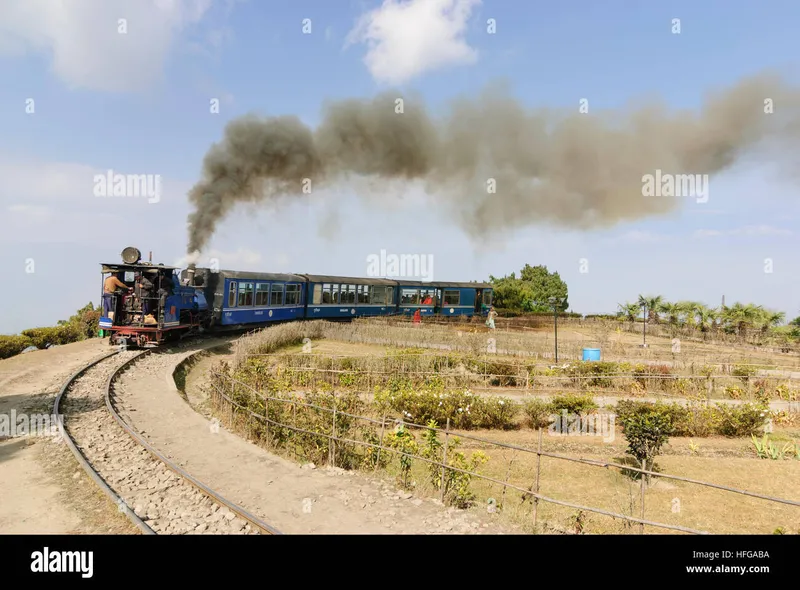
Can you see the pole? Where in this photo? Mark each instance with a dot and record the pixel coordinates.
(555, 325)
(644, 326)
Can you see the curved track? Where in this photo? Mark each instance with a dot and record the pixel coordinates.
(165, 499)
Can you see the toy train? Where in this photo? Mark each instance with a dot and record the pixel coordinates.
(153, 303)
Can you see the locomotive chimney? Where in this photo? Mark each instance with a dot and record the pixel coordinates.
(190, 274)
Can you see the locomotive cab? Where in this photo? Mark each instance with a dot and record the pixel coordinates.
(148, 304)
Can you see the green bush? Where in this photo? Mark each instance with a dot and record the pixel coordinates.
(646, 432)
(741, 420)
(699, 419)
(537, 413)
(573, 404)
(64, 334)
(464, 409)
(13, 345)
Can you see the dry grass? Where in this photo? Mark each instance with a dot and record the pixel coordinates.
(729, 462)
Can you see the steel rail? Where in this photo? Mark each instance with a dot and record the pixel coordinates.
(238, 510)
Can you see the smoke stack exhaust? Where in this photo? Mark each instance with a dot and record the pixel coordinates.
(493, 165)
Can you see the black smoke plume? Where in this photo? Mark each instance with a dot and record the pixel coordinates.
(494, 164)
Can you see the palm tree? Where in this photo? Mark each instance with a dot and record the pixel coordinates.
(689, 311)
(629, 310)
(706, 319)
(771, 319)
(653, 304)
(738, 318)
(673, 312)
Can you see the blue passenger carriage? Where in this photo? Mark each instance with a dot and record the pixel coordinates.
(238, 299)
(347, 297)
(443, 298)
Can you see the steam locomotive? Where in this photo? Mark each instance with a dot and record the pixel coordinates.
(164, 303)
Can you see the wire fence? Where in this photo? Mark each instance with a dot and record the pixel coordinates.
(433, 335)
(335, 428)
(535, 325)
(369, 370)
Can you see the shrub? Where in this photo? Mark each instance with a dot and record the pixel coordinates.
(741, 420)
(456, 483)
(403, 440)
(646, 433)
(464, 409)
(743, 372)
(573, 404)
(64, 334)
(537, 413)
(13, 345)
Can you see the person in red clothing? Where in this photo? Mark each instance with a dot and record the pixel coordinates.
(418, 317)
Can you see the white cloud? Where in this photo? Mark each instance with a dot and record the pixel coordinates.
(51, 202)
(84, 39)
(407, 38)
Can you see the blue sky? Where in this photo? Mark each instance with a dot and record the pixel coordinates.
(138, 103)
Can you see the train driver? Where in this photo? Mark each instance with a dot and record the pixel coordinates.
(109, 285)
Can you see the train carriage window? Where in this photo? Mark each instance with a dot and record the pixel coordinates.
(487, 297)
(245, 294)
(336, 294)
(317, 296)
(232, 294)
(377, 295)
(426, 297)
(390, 295)
(410, 297)
(276, 294)
(326, 293)
(351, 294)
(292, 295)
(363, 294)
(452, 297)
(262, 294)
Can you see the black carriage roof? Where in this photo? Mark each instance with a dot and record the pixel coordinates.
(261, 276)
(349, 280)
(443, 284)
(116, 267)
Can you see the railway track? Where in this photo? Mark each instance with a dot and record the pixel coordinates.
(156, 495)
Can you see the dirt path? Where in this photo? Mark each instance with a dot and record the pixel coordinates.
(42, 487)
(295, 500)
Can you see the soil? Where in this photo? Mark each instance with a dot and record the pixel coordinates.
(44, 490)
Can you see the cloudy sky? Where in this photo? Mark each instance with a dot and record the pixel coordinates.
(126, 85)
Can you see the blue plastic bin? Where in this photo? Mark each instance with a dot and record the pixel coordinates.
(591, 354)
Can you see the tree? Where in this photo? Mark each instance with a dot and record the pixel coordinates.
(630, 311)
(653, 304)
(531, 291)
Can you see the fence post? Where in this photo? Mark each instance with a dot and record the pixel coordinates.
(294, 423)
(333, 437)
(536, 485)
(643, 480)
(230, 405)
(444, 460)
(380, 442)
(505, 481)
(266, 417)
